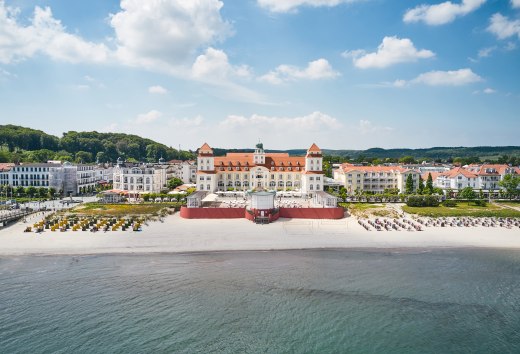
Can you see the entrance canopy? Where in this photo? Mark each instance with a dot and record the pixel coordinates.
(262, 200)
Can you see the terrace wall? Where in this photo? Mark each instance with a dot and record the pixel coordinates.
(239, 213)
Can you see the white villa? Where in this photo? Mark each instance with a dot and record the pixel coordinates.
(139, 179)
(479, 177)
(260, 171)
(374, 178)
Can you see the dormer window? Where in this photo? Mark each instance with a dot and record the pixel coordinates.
(246, 169)
(230, 168)
(272, 163)
(272, 168)
(238, 168)
(289, 169)
(281, 168)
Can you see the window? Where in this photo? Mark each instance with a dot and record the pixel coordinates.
(280, 184)
(317, 187)
(311, 187)
(311, 179)
(318, 178)
(201, 187)
(201, 178)
(207, 187)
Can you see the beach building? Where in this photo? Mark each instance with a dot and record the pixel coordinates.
(484, 177)
(140, 179)
(260, 170)
(374, 178)
(184, 170)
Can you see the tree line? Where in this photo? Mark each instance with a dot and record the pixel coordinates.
(20, 144)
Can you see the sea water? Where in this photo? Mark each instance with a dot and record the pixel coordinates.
(316, 301)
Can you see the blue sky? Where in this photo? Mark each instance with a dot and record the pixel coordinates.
(346, 74)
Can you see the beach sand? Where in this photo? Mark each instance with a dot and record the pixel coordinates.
(198, 235)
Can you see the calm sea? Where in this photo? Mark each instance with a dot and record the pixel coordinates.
(322, 301)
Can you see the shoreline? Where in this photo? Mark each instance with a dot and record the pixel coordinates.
(177, 235)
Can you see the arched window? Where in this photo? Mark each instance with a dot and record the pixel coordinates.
(245, 184)
(317, 187)
(311, 187)
(148, 180)
(272, 184)
(221, 183)
(237, 183)
(131, 179)
(280, 184)
(289, 184)
(230, 184)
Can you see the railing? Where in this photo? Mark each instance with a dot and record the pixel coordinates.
(14, 215)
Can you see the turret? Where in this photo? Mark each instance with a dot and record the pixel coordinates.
(313, 159)
(205, 160)
(259, 155)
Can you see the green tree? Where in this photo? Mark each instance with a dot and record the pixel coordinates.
(409, 184)
(429, 184)
(174, 183)
(510, 184)
(43, 192)
(19, 191)
(468, 193)
(31, 191)
(83, 157)
(420, 188)
(407, 160)
(52, 192)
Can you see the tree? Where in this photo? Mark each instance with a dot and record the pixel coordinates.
(468, 193)
(19, 191)
(429, 184)
(83, 157)
(407, 160)
(43, 192)
(52, 192)
(510, 184)
(30, 191)
(409, 184)
(174, 183)
(420, 189)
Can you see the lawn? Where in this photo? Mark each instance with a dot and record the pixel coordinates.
(122, 209)
(512, 203)
(463, 209)
(360, 206)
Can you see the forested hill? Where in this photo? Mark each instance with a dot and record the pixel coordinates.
(30, 145)
(502, 154)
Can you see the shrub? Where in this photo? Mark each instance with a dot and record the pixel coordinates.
(480, 202)
(449, 203)
(422, 201)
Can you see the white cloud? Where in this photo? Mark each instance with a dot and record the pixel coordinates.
(316, 70)
(165, 34)
(515, 3)
(157, 90)
(148, 117)
(214, 65)
(44, 34)
(486, 52)
(111, 128)
(504, 28)
(313, 121)
(392, 50)
(442, 13)
(82, 87)
(194, 122)
(510, 46)
(367, 127)
(447, 78)
(440, 78)
(489, 90)
(292, 5)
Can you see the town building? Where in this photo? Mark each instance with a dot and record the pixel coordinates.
(260, 170)
(140, 179)
(485, 177)
(375, 179)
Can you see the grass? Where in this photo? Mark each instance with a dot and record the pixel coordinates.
(122, 209)
(512, 203)
(360, 206)
(463, 209)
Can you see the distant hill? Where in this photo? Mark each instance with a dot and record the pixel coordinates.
(29, 145)
(484, 153)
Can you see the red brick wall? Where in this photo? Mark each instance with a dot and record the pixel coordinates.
(312, 213)
(213, 213)
(239, 213)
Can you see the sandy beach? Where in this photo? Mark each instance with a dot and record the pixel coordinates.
(183, 235)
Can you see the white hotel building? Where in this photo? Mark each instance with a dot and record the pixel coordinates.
(260, 171)
(139, 179)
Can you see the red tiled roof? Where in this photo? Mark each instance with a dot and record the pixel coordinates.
(314, 148)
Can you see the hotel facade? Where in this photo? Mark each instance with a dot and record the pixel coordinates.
(374, 178)
(260, 171)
